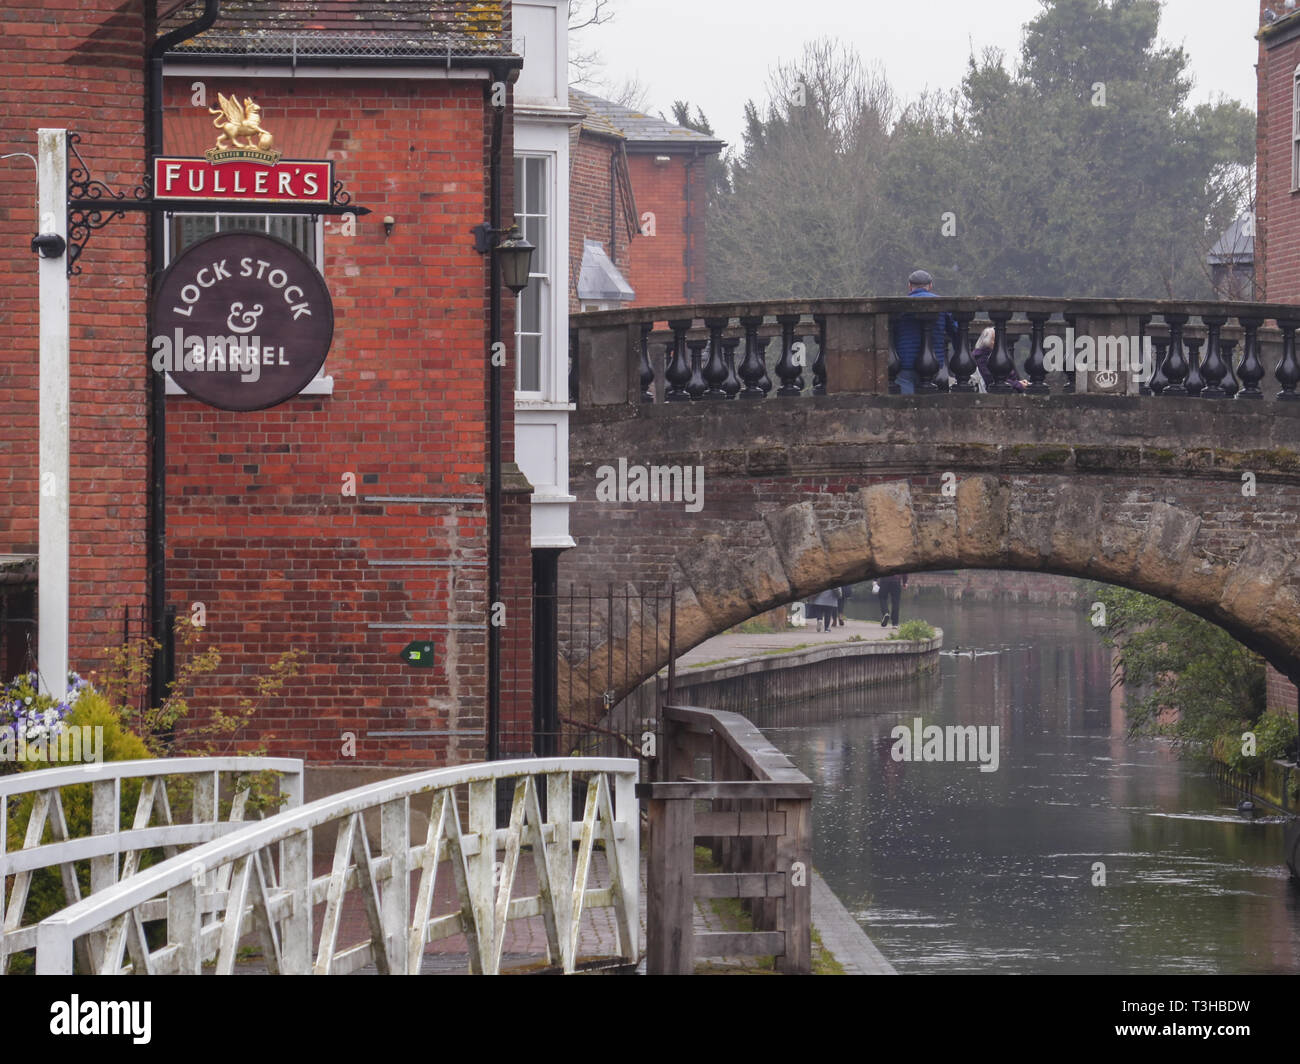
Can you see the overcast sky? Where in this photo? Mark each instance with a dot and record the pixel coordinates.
(716, 53)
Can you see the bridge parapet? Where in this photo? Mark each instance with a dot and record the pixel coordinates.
(787, 349)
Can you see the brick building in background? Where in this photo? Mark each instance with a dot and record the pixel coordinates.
(263, 525)
(638, 203)
(1277, 192)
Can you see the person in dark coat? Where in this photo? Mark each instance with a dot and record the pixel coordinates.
(890, 596)
(846, 593)
(908, 337)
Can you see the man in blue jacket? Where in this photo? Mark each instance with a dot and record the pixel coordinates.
(907, 340)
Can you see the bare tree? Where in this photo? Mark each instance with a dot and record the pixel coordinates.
(584, 64)
(632, 93)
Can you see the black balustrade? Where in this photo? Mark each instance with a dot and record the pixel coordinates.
(1230, 385)
(1213, 370)
(731, 385)
(696, 386)
(787, 371)
(719, 356)
(678, 372)
(1288, 370)
(1251, 371)
(647, 370)
(715, 372)
(963, 368)
(1036, 363)
(753, 371)
(1002, 366)
(1195, 382)
(1175, 361)
(927, 365)
(819, 364)
(1071, 322)
(1159, 382)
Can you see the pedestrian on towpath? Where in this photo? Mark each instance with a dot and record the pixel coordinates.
(846, 593)
(827, 605)
(890, 596)
(908, 337)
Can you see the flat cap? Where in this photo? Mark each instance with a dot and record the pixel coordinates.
(921, 277)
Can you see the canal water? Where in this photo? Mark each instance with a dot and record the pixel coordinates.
(951, 869)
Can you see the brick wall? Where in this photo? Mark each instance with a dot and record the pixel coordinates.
(1277, 218)
(78, 64)
(669, 266)
(1277, 215)
(1281, 692)
(590, 178)
(259, 529)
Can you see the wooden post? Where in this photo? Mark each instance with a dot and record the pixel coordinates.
(793, 860)
(670, 889)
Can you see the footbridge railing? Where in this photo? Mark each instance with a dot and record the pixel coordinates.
(262, 881)
(792, 348)
(212, 792)
(759, 823)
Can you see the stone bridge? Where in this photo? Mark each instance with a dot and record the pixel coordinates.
(1186, 487)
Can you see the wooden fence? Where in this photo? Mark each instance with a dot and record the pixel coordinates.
(757, 815)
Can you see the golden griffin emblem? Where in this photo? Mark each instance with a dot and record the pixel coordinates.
(241, 134)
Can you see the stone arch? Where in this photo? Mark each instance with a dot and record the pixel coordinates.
(990, 521)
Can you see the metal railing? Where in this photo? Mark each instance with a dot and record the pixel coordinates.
(271, 889)
(113, 851)
(760, 824)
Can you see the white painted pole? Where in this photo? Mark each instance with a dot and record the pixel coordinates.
(52, 567)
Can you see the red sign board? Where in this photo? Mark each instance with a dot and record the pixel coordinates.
(288, 181)
(241, 321)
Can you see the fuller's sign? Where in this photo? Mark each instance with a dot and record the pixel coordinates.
(241, 321)
(240, 180)
(243, 166)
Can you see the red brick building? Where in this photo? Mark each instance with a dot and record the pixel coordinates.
(639, 190)
(75, 65)
(353, 518)
(1277, 190)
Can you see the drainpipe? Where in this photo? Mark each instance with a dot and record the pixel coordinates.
(156, 557)
(499, 72)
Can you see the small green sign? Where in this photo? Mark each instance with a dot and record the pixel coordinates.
(418, 654)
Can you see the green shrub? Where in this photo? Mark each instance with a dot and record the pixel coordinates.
(1275, 737)
(913, 630)
(46, 896)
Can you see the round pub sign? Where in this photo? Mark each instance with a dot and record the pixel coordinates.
(242, 321)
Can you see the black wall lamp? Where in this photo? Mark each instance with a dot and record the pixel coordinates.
(514, 253)
(389, 222)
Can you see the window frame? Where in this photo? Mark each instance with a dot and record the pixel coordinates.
(541, 273)
(1295, 130)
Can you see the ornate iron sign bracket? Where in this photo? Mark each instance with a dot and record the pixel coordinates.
(92, 204)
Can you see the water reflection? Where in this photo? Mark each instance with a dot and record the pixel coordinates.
(955, 870)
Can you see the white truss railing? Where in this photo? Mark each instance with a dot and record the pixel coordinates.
(113, 851)
(269, 889)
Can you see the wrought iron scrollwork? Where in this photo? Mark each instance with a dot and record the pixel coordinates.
(92, 203)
